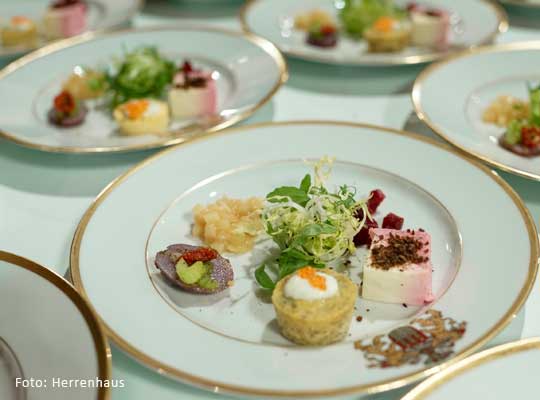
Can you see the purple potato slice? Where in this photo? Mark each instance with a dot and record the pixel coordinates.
(67, 122)
(519, 149)
(325, 40)
(222, 272)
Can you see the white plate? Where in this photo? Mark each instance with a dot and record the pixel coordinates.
(500, 373)
(450, 97)
(229, 342)
(102, 14)
(48, 332)
(475, 22)
(248, 71)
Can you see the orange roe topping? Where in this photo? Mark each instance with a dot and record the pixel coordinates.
(20, 20)
(135, 108)
(315, 280)
(64, 102)
(384, 24)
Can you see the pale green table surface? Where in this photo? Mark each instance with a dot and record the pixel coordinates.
(46, 194)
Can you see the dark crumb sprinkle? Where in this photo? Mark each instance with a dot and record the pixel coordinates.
(362, 283)
(400, 250)
(401, 284)
(367, 309)
(331, 267)
(405, 305)
(359, 318)
(421, 230)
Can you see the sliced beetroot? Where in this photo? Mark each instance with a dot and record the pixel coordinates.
(323, 39)
(166, 260)
(376, 197)
(393, 221)
(363, 237)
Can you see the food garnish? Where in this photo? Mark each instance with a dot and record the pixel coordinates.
(66, 111)
(143, 72)
(322, 35)
(229, 225)
(358, 15)
(310, 224)
(306, 20)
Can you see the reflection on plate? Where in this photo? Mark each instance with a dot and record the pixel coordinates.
(480, 118)
(237, 327)
(400, 32)
(241, 73)
(10, 371)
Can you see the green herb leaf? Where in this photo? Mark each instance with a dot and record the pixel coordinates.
(289, 264)
(263, 279)
(295, 194)
(305, 185)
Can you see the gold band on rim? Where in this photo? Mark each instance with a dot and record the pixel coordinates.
(103, 352)
(381, 386)
(180, 137)
(423, 390)
(521, 3)
(127, 17)
(502, 27)
(416, 96)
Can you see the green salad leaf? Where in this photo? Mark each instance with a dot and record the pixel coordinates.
(142, 73)
(358, 15)
(311, 225)
(534, 97)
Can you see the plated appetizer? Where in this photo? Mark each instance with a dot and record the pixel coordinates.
(19, 31)
(382, 24)
(195, 269)
(521, 120)
(314, 306)
(67, 111)
(144, 91)
(65, 18)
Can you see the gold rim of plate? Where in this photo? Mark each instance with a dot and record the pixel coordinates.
(521, 3)
(502, 27)
(181, 135)
(427, 387)
(13, 52)
(416, 96)
(103, 352)
(381, 386)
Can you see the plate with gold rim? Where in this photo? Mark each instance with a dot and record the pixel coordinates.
(99, 15)
(524, 4)
(501, 372)
(221, 342)
(98, 76)
(470, 24)
(473, 109)
(49, 335)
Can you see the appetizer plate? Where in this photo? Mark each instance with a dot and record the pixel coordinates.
(473, 23)
(451, 96)
(102, 14)
(500, 373)
(247, 70)
(48, 331)
(224, 342)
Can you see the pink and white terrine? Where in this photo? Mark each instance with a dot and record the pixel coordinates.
(430, 27)
(398, 267)
(193, 93)
(65, 18)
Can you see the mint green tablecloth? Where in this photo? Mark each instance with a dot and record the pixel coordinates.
(46, 194)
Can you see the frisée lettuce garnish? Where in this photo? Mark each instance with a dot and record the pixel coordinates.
(310, 224)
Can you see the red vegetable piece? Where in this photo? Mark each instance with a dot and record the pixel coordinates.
(64, 102)
(530, 136)
(328, 29)
(376, 197)
(187, 67)
(393, 221)
(199, 254)
(362, 237)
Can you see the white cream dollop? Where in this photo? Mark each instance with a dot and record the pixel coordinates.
(300, 289)
(154, 108)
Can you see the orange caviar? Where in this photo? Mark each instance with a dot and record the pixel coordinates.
(20, 20)
(384, 24)
(135, 108)
(315, 280)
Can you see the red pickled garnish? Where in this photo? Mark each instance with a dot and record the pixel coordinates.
(363, 237)
(64, 102)
(328, 29)
(393, 221)
(530, 136)
(199, 254)
(187, 67)
(376, 197)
